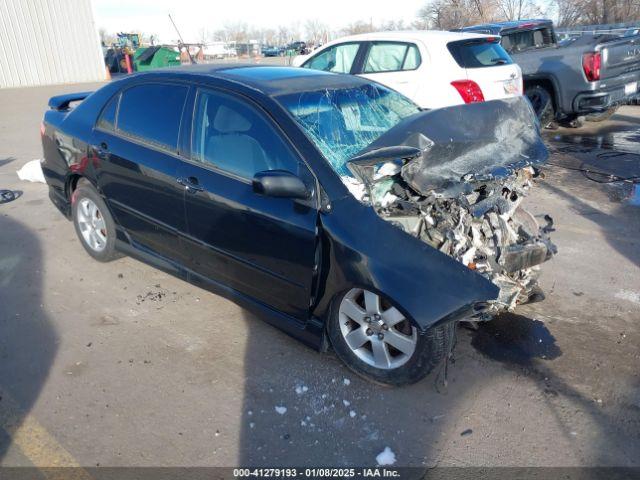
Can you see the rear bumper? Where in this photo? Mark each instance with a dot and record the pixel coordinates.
(601, 100)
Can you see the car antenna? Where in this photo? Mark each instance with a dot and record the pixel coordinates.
(181, 43)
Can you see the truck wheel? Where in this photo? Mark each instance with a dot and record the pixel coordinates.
(542, 104)
(601, 116)
(377, 342)
(93, 222)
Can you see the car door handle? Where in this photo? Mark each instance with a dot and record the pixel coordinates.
(190, 184)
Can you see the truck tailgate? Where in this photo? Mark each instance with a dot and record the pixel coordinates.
(619, 57)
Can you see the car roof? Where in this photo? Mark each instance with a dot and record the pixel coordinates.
(271, 80)
(426, 36)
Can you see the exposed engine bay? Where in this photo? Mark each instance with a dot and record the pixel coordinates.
(475, 217)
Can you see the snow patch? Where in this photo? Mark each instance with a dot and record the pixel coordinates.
(386, 457)
(352, 413)
(346, 403)
(300, 389)
(31, 172)
(281, 410)
(346, 381)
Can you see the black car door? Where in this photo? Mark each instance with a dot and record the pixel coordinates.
(139, 162)
(261, 246)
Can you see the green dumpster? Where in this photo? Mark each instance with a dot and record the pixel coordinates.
(155, 57)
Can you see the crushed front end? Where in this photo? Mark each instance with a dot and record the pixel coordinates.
(456, 179)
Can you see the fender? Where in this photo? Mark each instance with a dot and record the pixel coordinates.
(426, 285)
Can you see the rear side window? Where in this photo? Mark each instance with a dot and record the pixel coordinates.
(391, 57)
(152, 113)
(338, 58)
(107, 120)
(479, 53)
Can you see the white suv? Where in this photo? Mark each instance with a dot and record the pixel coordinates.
(433, 68)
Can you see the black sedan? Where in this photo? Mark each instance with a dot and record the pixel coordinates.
(328, 204)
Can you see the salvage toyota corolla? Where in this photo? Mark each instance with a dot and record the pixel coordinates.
(328, 204)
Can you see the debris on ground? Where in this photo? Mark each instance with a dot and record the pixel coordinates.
(7, 196)
(386, 457)
(300, 389)
(468, 431)
(31, 172)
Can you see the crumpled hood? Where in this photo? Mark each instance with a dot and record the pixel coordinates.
(473, 141)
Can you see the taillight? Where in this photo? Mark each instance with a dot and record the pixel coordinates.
(591, 66)
(468, 90)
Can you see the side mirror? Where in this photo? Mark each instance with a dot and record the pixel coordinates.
(280, 183)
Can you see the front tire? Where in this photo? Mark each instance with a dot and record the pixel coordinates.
(93, 223)
(542, 104)
(375, 340)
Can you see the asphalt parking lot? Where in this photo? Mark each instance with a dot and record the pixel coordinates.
(121, 365)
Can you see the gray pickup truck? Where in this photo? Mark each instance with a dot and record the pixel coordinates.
(588, 76)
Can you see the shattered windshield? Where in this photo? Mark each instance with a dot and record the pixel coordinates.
(344, 121)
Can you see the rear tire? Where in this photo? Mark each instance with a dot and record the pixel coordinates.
(93, 223)
(422, 351)
(601, 116)
(542, 104)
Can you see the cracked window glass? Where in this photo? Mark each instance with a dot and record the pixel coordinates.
(342, 122)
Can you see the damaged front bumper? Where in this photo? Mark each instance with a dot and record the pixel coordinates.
(455, 178)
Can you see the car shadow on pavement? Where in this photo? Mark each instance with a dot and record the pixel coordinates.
(313, 411)
(612, 425)
(28, 342)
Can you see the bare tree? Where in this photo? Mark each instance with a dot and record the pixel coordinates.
(447, 14)
(393, 25)
(358, 27)
(517, 9)
(316, 31)
(586, 12)
(236, 32)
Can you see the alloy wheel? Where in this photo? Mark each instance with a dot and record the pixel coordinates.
(376, 331)
(92, 225)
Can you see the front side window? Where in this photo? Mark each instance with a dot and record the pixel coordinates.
(338, 58)
(343, 121)
(152, 113)
(233, 136)
(391, 57)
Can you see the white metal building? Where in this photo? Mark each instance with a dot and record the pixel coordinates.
(45, 42)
